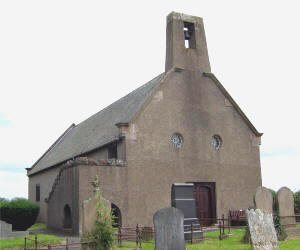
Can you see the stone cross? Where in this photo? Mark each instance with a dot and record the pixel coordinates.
(286, 206)
(169, 232)
(262, 231)
(263, 199)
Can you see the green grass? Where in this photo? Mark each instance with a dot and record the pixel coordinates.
(298, 225)
(37, 225)
(18, 243)
(231, 243)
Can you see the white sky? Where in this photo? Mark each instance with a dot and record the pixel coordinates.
(62, 61)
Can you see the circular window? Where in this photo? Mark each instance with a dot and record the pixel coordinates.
(177, 140)
(216, 141)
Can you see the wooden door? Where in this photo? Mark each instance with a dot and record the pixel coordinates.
(205, 203)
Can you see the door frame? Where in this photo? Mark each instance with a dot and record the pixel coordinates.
(212, 187)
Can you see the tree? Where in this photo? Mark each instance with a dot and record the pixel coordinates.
(297, 202)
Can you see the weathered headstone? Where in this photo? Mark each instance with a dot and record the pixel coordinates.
(286, 206)
(6, 231)
(262, 231)
(88, 214)
(264, 199)
(169, 232)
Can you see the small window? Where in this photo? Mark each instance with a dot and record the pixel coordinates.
(113, 151)
(37, 192)
(216, 141)
(177, 140)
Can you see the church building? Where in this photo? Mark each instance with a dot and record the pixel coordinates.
(180, 127)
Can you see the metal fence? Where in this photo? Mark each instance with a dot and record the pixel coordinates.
(39, 246)
(140, 234)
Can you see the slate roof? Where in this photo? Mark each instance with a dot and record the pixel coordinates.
(97, 130)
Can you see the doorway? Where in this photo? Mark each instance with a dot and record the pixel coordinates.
(117, 217)
(204, 193)
(67, 222)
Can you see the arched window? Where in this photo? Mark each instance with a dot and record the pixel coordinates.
(67, 222)
(117, 217)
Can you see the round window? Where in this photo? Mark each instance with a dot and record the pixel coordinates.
(177, 140)
(216, 141)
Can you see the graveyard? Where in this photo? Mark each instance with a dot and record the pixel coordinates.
(233, 242)
(169, 231)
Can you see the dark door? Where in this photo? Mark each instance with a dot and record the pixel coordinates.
(205, 203)
(67, 223)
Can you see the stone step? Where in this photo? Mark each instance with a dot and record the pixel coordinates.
(293, 232)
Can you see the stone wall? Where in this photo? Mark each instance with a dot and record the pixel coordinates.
(64, 193)
(45, 180)
(113, 183)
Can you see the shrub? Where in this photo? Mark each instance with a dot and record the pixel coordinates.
(19, 212)
(3, 201)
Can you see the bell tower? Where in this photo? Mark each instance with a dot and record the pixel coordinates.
(186, 43)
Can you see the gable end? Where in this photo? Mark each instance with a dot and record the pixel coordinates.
(233, 103)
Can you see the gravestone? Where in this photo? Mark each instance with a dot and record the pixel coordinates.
(286, 206)
(89, 214)
(169, 233)
(6, 231)
(262, 231)
(263, 199)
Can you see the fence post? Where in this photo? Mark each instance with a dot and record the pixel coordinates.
(120, 236)
(25, 244)
(67, 242)
(192, 231)
(229, 222)
(223, 221)
(137, 235)
(49, 247)
(140, 237)
(35, 241)
(220, 226)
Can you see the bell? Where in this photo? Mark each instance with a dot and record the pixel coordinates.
(187, 35)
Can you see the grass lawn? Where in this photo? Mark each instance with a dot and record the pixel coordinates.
(18, 243)
(233, 242)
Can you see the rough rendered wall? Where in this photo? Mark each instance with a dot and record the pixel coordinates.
(65, 193)
(113, 184)
(192, 105)
(45, 179)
